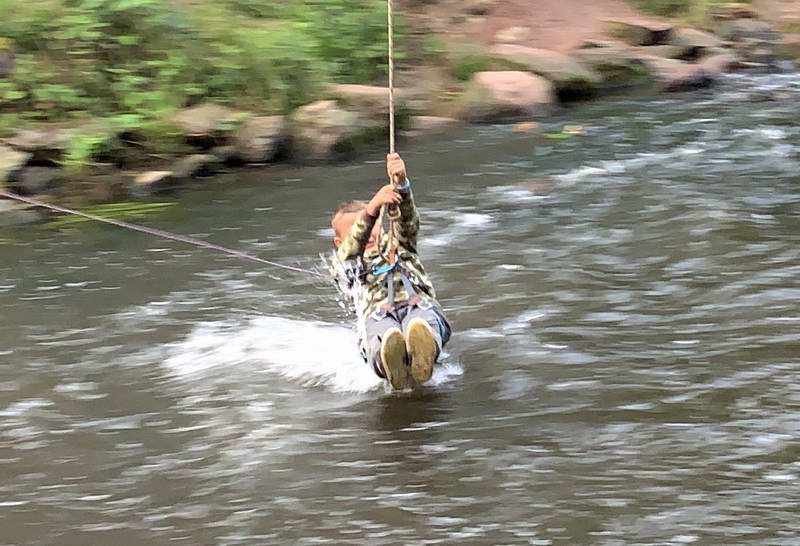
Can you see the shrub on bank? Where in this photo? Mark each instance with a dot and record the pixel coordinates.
(137, 60)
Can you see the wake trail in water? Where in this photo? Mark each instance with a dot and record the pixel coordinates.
(308, 353)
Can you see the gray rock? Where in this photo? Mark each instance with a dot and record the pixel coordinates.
(619, 66)
(567, 74)
(674, 75)
(44, 145)
(262, 139)
(195, 165)
(741, 29)
(432, 124)
(756, 42)
(323, 131)
(227, 155)
(692, 38)
(15, 214)
(207, 124)
(640, 31)
(506, 96)
(150, 182)
(35, 180)
(372, 102)
(11, 163)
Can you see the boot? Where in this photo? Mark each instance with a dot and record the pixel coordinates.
(394, 359)
(422, 349)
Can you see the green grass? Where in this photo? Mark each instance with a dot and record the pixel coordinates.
(116, 211)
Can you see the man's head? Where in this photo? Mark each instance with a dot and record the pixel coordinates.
(343, 219)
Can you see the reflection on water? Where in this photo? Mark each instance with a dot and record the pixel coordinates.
(625, 368)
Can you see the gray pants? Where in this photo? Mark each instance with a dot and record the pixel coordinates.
(400, 318)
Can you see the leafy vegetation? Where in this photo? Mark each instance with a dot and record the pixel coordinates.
(134, 61)
(466, 65)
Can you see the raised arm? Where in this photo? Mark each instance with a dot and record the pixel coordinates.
(407, 228)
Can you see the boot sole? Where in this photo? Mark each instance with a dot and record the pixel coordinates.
(393, 357)
(422, 350)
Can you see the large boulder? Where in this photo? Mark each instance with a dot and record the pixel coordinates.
(46, 145)
(11, 163)
(619, 65)
(674, 75)
(207, 125)
(506, 96)
(262, 139)
(372, 102)
(693, 38)
(15, 214)
(567, 74)
(640, 31)
(323, 131)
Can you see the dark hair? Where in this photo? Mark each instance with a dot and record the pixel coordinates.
(348, 208)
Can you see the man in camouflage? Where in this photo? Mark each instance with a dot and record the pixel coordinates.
(402, 328)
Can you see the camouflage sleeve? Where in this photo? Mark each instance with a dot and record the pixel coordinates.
(354, 244)
(408, 226)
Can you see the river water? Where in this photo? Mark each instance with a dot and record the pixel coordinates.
(626, 367)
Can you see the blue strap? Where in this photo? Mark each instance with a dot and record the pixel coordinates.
(382, 270)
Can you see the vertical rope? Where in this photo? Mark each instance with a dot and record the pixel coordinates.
(392, 213)
(390, 16)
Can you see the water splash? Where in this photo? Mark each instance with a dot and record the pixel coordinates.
(307, 353)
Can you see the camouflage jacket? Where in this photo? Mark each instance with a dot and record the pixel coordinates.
(365, 271)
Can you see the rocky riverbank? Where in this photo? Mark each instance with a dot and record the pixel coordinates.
(513, 82)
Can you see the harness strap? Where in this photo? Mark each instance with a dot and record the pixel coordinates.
(411, 292)
(413, 296)
(390, 290)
